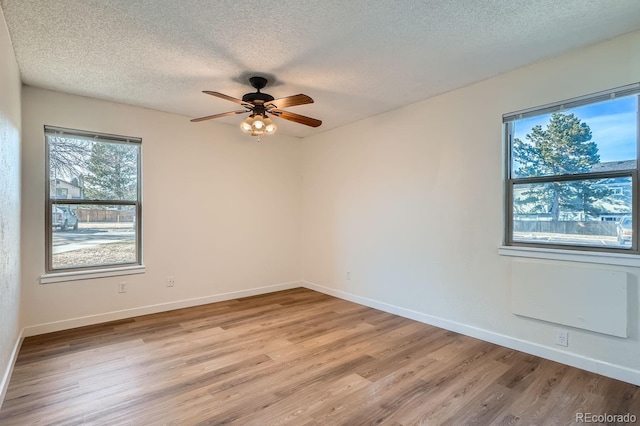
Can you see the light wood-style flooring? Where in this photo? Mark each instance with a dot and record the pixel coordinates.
(294, 357)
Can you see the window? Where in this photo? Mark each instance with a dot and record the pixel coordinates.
(572, 173)
(93, 200)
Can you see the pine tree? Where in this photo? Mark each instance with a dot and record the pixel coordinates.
(112, 172)
(564, 147)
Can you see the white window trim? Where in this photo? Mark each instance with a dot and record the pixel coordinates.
(599, 257)
(57, 277)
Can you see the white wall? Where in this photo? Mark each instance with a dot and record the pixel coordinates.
(9, 205)
(410, 202)
(221, 212)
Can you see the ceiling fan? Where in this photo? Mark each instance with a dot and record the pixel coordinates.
(260, 106)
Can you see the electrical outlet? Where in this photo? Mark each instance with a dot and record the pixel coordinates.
(122, 287)
(348, 275)
(562, 337)
(170, 281)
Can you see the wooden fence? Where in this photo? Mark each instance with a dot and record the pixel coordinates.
(567, 227)
(95, 215)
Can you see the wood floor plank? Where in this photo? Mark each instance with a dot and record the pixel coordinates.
(290, 410)
(295, 357)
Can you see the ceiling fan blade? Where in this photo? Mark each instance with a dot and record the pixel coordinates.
(224, 114)
(286, 115)
(290, 101)
(229, 98)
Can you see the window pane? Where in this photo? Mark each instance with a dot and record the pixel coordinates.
(590, 212)
(597, 137)
(82, 168)
(93, 235)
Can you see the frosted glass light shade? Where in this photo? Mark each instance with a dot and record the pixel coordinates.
(258, 123)
(269, 126)
(246, 124)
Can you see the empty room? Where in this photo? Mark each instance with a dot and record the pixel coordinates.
(410, 212)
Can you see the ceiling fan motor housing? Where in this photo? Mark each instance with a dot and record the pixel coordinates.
(257, 83)
(257, 96)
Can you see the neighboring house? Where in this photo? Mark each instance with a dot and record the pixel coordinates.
(621, 193)
(610, 166)
(61, 189)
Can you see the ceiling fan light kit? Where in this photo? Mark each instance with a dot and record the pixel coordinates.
(261, 105)
(257, 125)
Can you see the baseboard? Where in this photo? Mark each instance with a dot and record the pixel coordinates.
(617, 372)
(50, 327)
(6, 377)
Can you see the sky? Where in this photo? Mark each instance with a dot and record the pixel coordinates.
(613, 125)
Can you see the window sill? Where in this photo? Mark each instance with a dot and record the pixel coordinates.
(619, 259)
(57, 277)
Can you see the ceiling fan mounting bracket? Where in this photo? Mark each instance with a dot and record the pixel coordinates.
(258, 82)
(257, 97)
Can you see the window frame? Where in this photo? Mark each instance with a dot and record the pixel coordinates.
(510, 181)
(81, 271)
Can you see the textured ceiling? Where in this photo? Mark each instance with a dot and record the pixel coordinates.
(356, 58)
